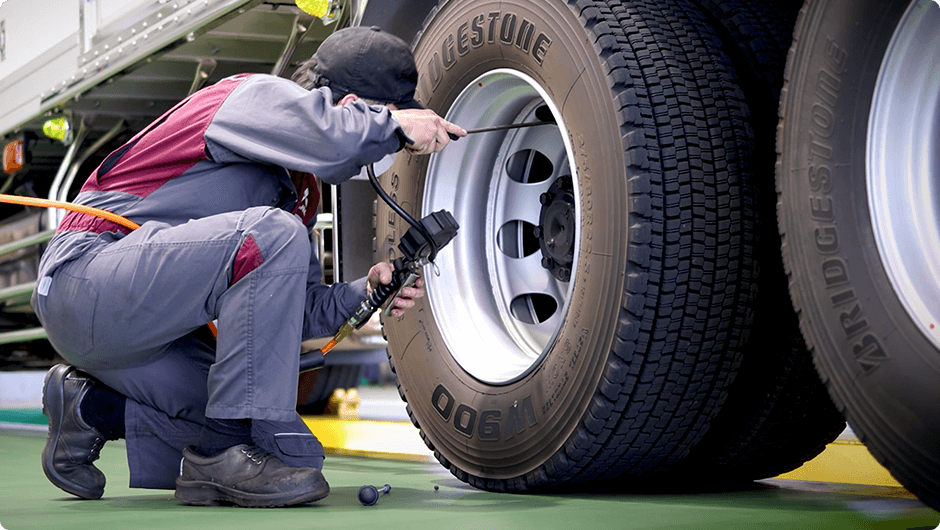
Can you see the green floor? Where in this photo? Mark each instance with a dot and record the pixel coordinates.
(27, 500)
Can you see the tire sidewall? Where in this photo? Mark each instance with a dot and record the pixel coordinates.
(876, 361)
(507, 431)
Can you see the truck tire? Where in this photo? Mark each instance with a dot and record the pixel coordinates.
(600, 345)
(760, 33)
(778, 414)
(856, 174)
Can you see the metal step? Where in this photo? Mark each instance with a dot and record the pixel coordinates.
(23, 335)
(27, 241)
(23, 290)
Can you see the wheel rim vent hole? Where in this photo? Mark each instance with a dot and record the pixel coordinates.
(516, 239)
(529, 167)
(533, 308)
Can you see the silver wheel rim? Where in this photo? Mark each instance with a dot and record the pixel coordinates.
(498, 309)
(903, 165)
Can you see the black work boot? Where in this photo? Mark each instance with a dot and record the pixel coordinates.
(246, 475)
(72, 444)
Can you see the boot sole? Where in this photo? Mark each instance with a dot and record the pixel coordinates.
(202, 493)
(52, 398)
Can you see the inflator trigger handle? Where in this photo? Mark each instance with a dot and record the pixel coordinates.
(407, 279)
(316, 359)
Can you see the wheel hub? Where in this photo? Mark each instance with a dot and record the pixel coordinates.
(557, 227)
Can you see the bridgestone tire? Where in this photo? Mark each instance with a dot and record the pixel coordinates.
(760, 32)
(520, 380)
(778, 414)
(857, 160)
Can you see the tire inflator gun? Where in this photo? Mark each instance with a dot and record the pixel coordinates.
(419, 246)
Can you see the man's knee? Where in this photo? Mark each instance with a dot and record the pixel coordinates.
(274, 238)
(276, 223)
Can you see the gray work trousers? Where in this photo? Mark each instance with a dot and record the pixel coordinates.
(126, 312)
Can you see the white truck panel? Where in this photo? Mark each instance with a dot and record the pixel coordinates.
(91, 41)
(21, 91)
(33, 27)
(114, 11)
(40, 43)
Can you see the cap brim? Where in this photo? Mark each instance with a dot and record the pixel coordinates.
(410, 104)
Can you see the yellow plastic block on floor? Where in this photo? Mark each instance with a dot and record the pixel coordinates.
(844, 461)
(377, 439)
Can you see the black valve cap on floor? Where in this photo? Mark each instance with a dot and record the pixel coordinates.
(369, 495)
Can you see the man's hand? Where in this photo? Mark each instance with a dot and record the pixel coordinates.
(382, 273)
(428, 130)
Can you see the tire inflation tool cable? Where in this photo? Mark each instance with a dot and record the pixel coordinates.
(419, 247)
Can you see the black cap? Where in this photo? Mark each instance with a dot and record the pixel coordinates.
(370, 63)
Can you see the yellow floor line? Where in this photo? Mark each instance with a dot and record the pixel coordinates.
(843, 461)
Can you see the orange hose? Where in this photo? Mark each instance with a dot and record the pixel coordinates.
(46, 203)
(104, 214)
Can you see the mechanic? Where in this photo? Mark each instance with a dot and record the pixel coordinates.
(223, 187)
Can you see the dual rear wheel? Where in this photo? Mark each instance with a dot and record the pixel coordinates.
(609, 279)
